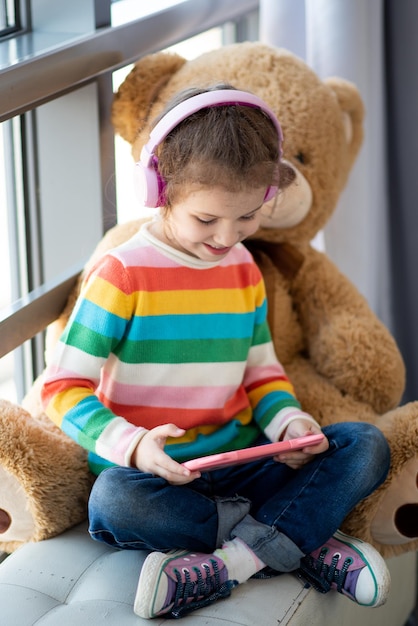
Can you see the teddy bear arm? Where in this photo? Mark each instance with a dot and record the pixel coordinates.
(345, 340)
(321, 398)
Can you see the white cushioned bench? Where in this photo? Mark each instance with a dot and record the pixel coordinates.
(71, 580)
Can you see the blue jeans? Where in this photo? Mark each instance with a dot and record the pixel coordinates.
(280, 513)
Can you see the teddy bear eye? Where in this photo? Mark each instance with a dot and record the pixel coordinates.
(301, 158)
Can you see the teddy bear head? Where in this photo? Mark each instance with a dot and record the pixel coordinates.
(322, 123)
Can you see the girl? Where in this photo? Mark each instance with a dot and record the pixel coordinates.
(168, 356)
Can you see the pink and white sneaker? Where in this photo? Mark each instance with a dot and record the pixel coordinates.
(351, 567)
(179, 582)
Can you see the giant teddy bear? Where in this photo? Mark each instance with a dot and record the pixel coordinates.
(343, 362)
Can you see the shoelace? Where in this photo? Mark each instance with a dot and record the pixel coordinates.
(208, 589)
(321, 575)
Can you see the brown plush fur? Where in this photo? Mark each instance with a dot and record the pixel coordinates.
(50, 469)
(343, 362)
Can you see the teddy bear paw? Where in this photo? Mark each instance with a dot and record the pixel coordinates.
(16, 521)
(396, 521)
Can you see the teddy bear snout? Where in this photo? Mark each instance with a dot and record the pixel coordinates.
(406, 520)
(5, 521)
(290, 205)
(396, 520)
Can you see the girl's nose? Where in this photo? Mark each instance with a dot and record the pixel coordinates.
(227, 237)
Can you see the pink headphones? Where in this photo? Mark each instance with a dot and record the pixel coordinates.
(149, 183)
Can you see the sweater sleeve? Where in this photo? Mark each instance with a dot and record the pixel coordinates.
(69, 397)
(270, 391)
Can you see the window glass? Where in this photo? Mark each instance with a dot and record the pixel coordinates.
(8, 17)
(5, 291)
(123, 11)
(7, 386)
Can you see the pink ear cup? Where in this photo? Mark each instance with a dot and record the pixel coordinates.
(270, 193)
(149, 184)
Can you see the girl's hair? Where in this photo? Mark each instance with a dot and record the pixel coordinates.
(234, 147)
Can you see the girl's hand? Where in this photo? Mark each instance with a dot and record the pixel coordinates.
(149, 456)
(297, 458)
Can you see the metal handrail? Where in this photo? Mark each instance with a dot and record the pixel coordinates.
(32, 313)
(36, 68)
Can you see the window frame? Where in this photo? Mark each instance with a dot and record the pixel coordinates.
(47, 66)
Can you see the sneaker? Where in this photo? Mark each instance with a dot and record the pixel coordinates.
(179, 582)
(349, 565)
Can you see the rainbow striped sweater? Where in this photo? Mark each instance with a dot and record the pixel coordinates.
(158, 336)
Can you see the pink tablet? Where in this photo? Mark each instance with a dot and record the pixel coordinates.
(236, 457)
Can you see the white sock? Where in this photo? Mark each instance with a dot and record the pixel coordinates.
(239, 559)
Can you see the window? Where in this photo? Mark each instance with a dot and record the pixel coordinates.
(58, 177)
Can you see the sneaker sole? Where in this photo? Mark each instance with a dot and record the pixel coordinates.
(149, 579)
(377, 564)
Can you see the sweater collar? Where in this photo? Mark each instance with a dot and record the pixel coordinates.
(176, 255)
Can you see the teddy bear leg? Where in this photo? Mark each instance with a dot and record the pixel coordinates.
(17, 523)
(396, 519)
(44, 479)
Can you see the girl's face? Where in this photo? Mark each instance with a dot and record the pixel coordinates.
(207, 223)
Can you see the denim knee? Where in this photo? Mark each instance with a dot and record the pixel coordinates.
(369, 449)
(375, 443)
(105, 486)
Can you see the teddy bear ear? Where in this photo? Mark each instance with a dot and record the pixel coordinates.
(133, 100)
(352, 112)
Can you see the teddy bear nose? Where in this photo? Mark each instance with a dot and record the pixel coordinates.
(5, 521)
(406, 520)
